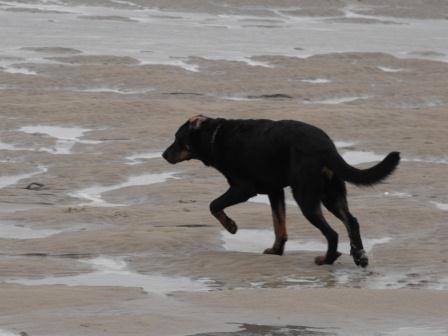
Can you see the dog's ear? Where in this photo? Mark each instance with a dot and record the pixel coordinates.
(196, 121)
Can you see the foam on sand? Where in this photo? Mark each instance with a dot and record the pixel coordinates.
(337, 100)
(141, 157)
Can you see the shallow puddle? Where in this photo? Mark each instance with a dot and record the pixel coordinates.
(265, 330)
(15, 231)
(441, 206)
(10, 67)
(335, 101)
(317, 81)
(237, 98)
(349, 275)
(115, 272)
(263, 199)
(389, 69)
(6, 146)
(358, 157)
(66, 137)
(417, 331)
(114, 90)
(94, 194)
(12, 207)
(7, 333)
(48, 23)
(256, 241)
(10, 180)
(344, 143)
(438, 160)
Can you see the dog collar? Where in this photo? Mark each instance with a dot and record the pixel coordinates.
(212, 142)
(215, 132)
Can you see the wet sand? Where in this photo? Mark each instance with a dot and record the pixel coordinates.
(113, 240)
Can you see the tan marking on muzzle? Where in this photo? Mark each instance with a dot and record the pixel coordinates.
(183, 155)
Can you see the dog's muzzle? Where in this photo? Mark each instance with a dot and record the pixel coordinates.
(173, 156)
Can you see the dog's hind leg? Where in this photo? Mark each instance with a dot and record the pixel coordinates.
(335, 200)
(277, 200)
(231, 197)
(307, 189)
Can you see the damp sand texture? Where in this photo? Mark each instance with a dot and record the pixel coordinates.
(111, 240)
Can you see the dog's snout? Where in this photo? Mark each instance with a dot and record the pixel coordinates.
(166, 155)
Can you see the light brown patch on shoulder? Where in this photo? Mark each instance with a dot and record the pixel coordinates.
(326, 171)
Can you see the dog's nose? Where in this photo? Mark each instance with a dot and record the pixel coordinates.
(167, 157)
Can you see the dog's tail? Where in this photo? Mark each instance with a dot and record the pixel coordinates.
(362, 177)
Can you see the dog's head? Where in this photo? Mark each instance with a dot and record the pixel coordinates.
(183, 147)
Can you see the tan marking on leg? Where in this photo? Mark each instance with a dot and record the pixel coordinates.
(221, 216)
(278, 216)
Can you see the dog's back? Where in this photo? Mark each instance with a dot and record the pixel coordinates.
(270, 151)
(262, 150)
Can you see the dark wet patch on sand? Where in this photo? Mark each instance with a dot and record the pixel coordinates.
(193, 225)
(183, 93)
(426, 53)
(362, 20)
(107, 18)
(34, 10)
(264, 330)
(52, 50)
(96, 59)
(270, 96)
(313, 11)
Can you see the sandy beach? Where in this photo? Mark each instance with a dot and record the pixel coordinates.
(100, 236)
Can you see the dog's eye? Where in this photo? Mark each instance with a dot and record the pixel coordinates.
(187, 147)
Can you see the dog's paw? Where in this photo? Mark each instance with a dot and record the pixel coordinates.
(327, 260)
(360, 258)
(230, 225)
(273, 251)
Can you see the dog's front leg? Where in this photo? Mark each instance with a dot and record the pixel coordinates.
(277, 200)
(231, 197)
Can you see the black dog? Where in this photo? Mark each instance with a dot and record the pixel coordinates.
(265, 156)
